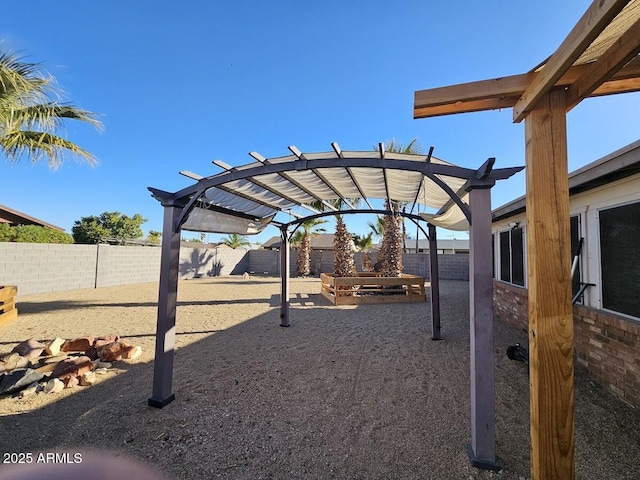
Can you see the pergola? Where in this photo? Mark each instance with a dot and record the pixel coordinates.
(246, 199)
(598, 57)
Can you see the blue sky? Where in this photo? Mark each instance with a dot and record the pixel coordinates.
(179, 84)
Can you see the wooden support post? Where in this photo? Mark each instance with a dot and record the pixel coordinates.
(549, 282)
(435, 284)
(167, 301)
(482, 451)
(284, 277)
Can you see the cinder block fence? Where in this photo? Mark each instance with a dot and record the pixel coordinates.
(41, 268)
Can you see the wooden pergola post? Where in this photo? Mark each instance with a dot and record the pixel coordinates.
(549, 283)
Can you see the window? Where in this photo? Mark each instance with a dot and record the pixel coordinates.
(620, 258)
(512, 256)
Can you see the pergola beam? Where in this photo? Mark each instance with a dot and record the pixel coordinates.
(591, 24)
(504, 92)
(617, 55)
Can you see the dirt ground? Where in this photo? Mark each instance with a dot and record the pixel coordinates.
(350, 392)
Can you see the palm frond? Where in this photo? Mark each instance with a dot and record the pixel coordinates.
(31, 114)
(38, 145)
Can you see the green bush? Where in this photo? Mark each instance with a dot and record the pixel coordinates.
(32, 234)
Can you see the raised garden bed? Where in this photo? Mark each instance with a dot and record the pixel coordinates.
(8, 310)
(372, 288)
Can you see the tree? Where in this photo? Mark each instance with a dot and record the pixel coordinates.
(364, 243)
(390, 253)
(32, 234)
(377, 228)
(31, 114)
(114, 225)
(396, 147)
(310, 227)
(236, 241)
(344, 264)
(154, 236)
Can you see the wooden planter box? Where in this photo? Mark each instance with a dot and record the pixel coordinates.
(8, 310)
(372, 288)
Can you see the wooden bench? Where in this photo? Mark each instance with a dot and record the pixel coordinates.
(8, 310)
(372, 288)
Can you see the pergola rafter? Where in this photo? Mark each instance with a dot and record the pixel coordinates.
(598, 57)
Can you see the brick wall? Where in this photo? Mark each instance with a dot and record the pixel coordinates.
(606, 345)
(511, 304)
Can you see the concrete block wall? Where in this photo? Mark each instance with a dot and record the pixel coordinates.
(213, 262)
(122, 265)
(45, 267)
(451, 266)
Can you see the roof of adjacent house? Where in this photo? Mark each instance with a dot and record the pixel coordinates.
(615, 166)
(14, 217)
(319, 241)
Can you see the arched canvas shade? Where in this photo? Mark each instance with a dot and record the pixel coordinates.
(247, 198)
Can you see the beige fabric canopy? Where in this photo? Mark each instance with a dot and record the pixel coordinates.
(247, 198)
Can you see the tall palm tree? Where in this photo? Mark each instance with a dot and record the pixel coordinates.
(236, 241)
(364, 243)
(343, 262)
(31, 113)
(309, 228)
(396, 206)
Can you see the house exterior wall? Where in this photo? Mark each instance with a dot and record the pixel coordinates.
(607, 343)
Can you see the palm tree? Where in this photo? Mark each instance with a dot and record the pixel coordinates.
(377, 228)
(343, 262)
(31, 114)
(364, 243)
(310, 227)
(236, 241)
(391, 236)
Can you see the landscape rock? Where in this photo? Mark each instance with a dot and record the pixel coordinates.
(87, 379)
(113, 351)
(30, 349)
(53, 386)
(131, 353)
(80, 344)
(29, 390)
(53, 347)
(100, 341)
(92, 353)
(72, 367)
(70, 381)
(9, 361)
(18, 379)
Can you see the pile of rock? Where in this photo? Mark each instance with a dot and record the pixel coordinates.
(33, 366)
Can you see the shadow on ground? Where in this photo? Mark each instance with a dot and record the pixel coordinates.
(348, 393)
